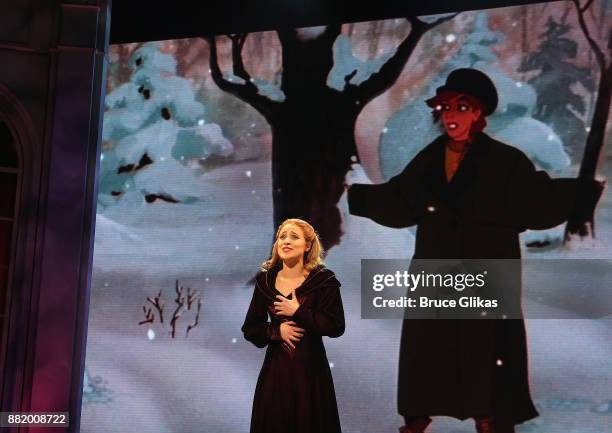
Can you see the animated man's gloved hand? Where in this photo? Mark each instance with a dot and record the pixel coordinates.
(588, 194)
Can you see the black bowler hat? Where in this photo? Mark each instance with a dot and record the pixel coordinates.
(471, 82)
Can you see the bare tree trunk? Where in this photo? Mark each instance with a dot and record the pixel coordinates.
(313, 128)
(594, 144)
(582, 220)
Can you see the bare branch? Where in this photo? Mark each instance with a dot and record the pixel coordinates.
(599, 55)
(247, 92)
(215, 70)
(158, 303)
(565, 14)
(391, 70)
(586, 5)
(197, 318)
(149, 316)
(191, 297)
(180, 303)
(238, 65)
(349, 77)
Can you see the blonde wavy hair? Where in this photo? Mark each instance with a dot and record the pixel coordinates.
(314, 255)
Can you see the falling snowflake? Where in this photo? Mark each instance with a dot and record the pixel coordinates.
(237, 247)
(201, 122)
(519, 84)
(248, 173)
(385, 130)
(151, 334)
(450, 38)
(550, 137)
(234, 340)
(101, 157)
(331, 365)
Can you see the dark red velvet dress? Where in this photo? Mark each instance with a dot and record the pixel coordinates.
(295, 390)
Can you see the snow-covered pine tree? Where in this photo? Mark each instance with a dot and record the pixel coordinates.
(558, 105)
(155, 135)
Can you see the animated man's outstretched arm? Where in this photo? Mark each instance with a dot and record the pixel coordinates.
(539, 202)
(396, 203)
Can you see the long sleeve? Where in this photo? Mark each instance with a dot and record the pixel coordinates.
(327, 317)
(256, 328)
(394, 203)
(538, 202)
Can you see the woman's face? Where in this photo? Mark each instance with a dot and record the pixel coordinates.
(291, 243)
(458, 116)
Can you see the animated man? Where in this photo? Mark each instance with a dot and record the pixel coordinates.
(470, 197)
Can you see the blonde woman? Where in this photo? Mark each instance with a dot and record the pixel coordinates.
(295, 303)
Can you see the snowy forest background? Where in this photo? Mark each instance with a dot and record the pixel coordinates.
(186, 200)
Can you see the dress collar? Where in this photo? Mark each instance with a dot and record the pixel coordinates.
(319, 275)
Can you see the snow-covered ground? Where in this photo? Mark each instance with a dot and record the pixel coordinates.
(205, 383)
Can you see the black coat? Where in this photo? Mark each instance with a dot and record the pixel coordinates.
(295, 390)
(466, 368)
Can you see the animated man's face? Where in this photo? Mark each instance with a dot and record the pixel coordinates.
(458, 116)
